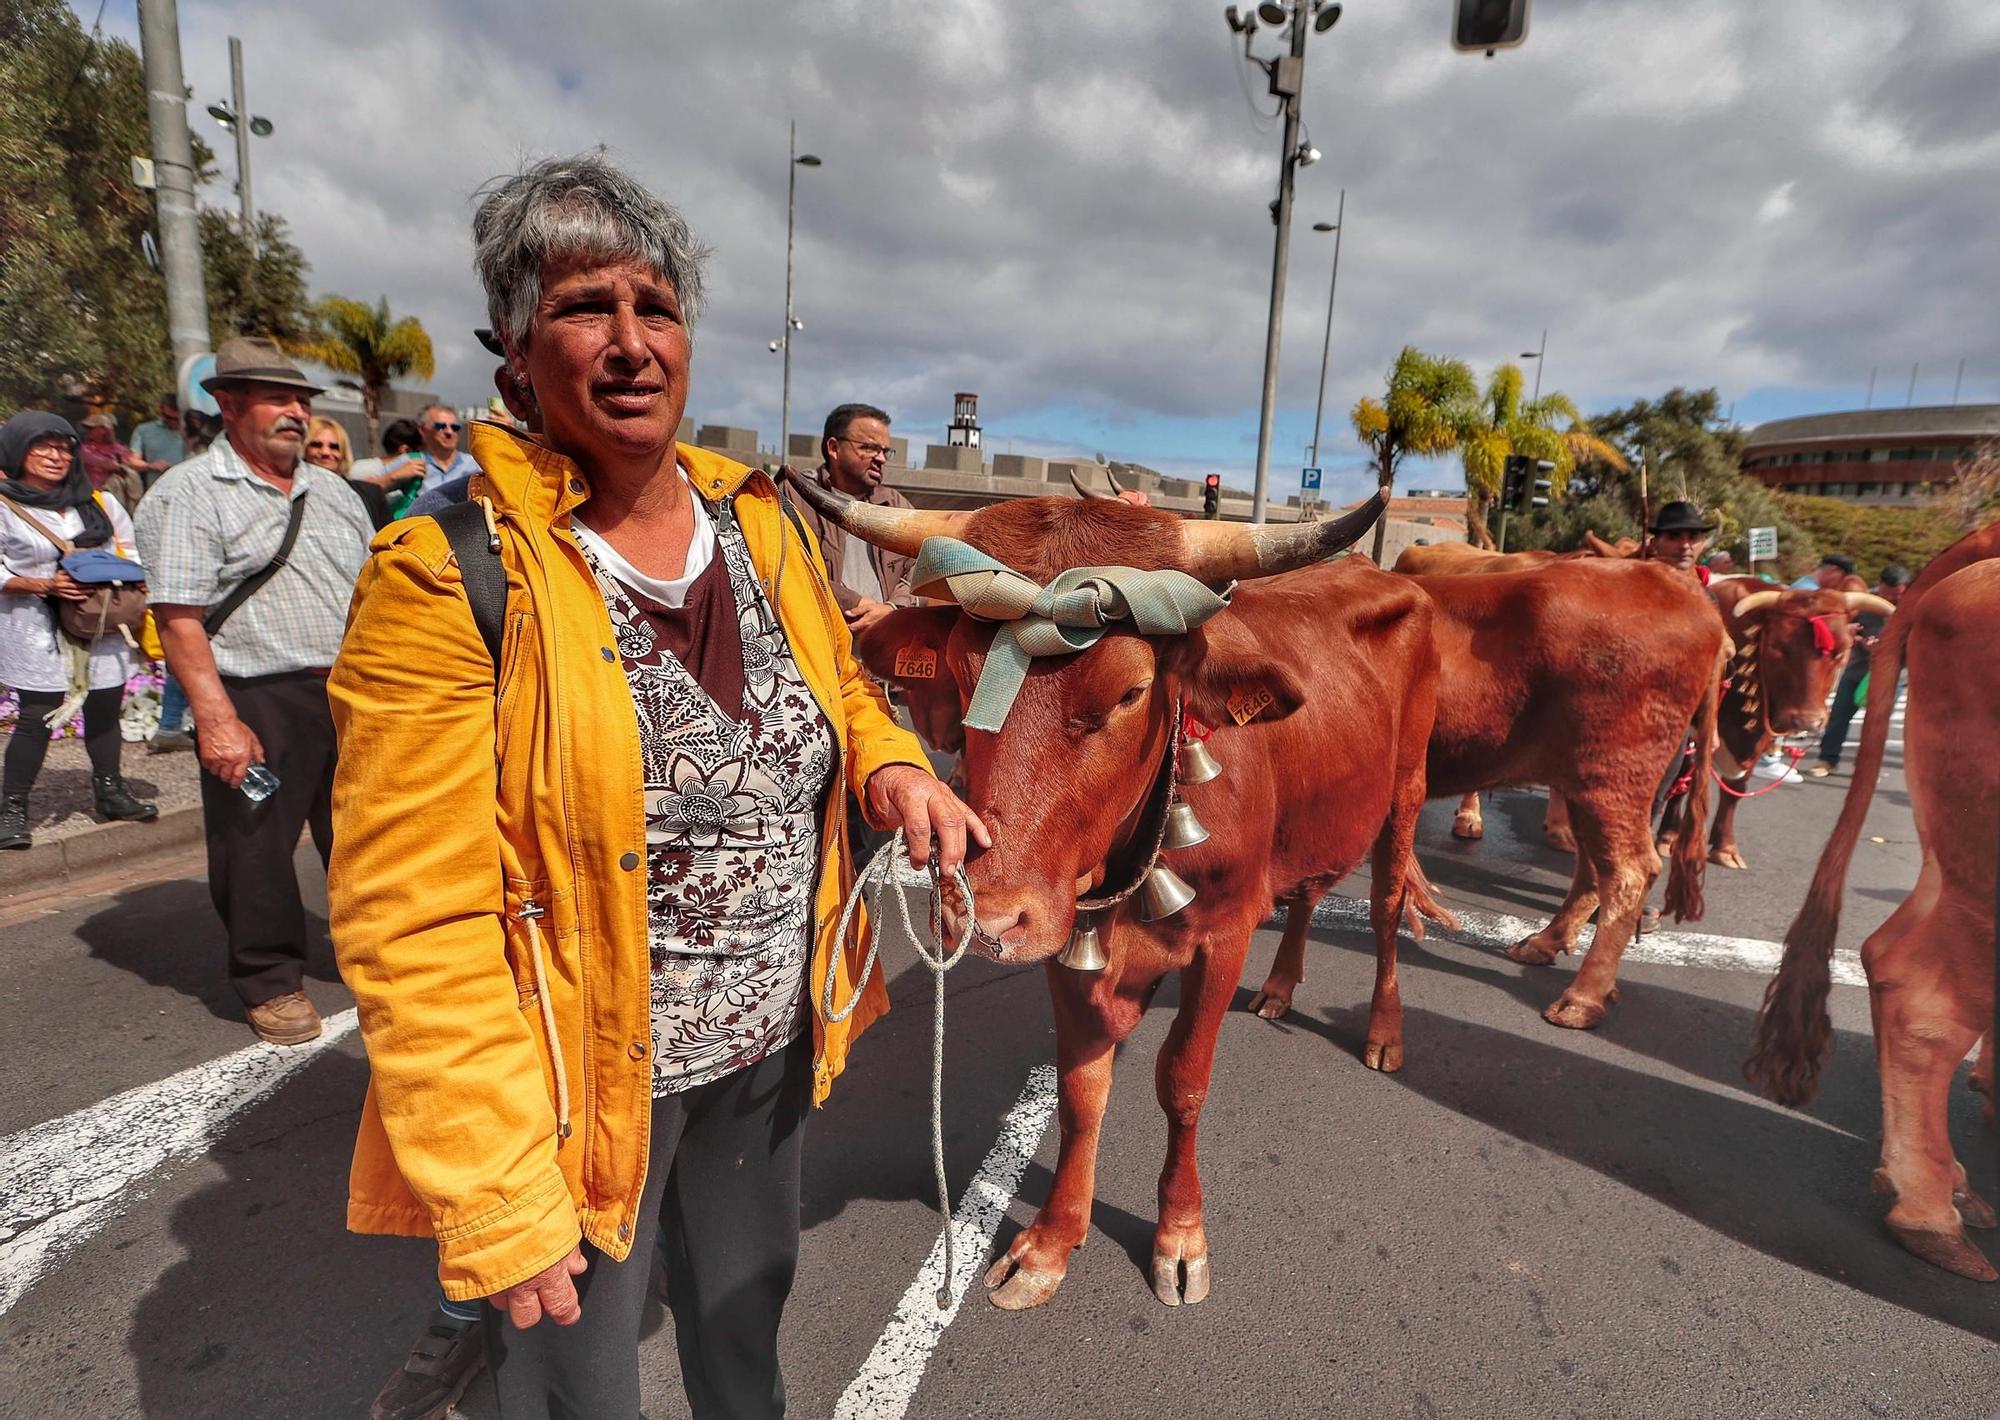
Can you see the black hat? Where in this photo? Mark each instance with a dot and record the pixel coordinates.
(491, 341)
(1680, 516)
(1840, 560)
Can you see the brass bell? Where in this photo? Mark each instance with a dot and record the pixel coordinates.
(1162, 894)
(1183, 830)
(1197, 765)
(1083, 951)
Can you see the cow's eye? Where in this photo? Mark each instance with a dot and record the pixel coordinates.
(1134, 695)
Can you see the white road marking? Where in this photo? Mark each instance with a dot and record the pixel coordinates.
(62, 1180)
(889, 1378)
(1497, 931)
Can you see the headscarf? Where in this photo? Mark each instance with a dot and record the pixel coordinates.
(26, 428)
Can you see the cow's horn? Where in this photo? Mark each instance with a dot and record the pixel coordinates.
(1112, 478)
(1235, 552)
(1084, 490)
(1757, 601)
(900, 530)
(1868, 601)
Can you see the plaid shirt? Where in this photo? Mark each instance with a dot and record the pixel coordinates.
(210, 522)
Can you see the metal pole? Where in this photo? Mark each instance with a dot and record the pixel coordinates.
(1541, 359)
(1326, 341)
(1280, 255)
(1911, 397)
(791, 216)
(242, 108)
(173, 172)
(1870, 403)
(1958, 382)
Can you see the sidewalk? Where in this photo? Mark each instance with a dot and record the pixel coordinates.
(69, 838)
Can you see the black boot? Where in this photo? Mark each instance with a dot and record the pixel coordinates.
(14, 822)
(113, 802)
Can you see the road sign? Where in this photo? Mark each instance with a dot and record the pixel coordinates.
(1763, 544)
(1309, 480)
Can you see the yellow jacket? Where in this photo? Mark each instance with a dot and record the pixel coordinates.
(434, 863)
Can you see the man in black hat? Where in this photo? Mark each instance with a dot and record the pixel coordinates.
(1832, 573)
(1679, 533)
(251, 555)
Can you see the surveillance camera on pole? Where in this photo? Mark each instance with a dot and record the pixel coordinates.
(1484, 26)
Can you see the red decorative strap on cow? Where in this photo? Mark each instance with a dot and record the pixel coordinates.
(1824, 641)
(1193, 729)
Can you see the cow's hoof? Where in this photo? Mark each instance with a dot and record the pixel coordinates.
(1948, 1248)
(1383, 1055)
(1274, 1000)
(1530, 952)
(1180, 1281)
(1017, 1289)
(1726, 858)
(1574, 1013)
(1560, 839)
(1468, 826)
(1976, 1211)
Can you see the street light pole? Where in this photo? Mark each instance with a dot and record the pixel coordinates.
(1326, 341)
(173, 172)
(237, 101)
(1536, 355)
(1287, 80)
(794, 161)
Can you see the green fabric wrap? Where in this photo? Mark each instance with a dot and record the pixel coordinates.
(1069, 615)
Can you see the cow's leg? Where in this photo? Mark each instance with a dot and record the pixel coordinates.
(1567, 925)
(1086, 1041)
(1180, 1244)
(1556, 831)
(1288, 967)
(1981, 1080)
(1391, 874)
(1622, 856)
(1468, 823)
(1722, 849)
(1924, 1025)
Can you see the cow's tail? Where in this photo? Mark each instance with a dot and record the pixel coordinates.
(1690, 855)
(1793, 1026)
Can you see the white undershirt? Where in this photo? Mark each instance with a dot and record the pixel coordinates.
(669, 593)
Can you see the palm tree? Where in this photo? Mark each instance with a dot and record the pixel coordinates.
(1426, 411)
(1508, 424)
(374, 347)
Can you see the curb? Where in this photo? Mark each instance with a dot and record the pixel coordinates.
(101, 847)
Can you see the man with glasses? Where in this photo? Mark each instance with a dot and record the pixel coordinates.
(854, 451)
(444, 460)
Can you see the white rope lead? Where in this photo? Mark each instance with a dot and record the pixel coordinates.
(881, 870)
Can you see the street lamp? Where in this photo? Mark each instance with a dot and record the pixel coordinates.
(1536, 356)
(1326, 341)
(783, 343)
(227, 114)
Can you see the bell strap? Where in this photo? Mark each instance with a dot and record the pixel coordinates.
(1070, 614)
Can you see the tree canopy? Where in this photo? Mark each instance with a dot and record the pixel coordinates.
(372, 345)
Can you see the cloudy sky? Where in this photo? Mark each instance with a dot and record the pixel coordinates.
(1061, 204)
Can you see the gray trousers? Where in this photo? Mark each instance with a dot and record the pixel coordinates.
(722, 1197)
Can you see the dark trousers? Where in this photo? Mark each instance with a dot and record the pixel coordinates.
(1842, 714)
(722, 1187)
(250, 845)
(29, 744)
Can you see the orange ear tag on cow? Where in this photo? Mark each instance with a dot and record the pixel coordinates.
(1247, 704)
(916, 663)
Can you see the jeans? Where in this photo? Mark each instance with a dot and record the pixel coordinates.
(174, 712)
(1842, 714)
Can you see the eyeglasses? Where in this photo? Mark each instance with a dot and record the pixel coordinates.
(873, 451)
(441, 426)
(49, 450)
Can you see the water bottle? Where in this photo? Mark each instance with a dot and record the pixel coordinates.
(258, 784)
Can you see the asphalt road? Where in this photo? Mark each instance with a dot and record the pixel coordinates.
(1524, 1221)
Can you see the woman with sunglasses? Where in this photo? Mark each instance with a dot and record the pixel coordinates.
(45, 487)
(327, 448)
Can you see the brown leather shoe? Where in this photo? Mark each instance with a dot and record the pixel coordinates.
(285, 1020)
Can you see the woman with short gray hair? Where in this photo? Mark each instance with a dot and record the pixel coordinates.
(583, 980)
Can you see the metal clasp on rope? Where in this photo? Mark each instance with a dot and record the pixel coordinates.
(881, 869)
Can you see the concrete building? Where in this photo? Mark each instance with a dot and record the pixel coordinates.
(1880, 456)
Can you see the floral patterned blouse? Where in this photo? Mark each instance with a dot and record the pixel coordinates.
(732, 822)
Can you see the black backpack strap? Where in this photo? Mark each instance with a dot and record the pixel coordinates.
(478, 552)
(212, 621)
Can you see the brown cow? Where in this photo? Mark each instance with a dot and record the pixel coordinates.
(1320, 686)
(1790, 648)
(1582, 676)
(1930, 966)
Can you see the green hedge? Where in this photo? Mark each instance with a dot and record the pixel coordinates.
(1872, 536)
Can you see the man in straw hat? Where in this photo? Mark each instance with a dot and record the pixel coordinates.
(251, 555)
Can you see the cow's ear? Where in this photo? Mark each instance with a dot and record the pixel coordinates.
(1231, 679)
(906, 649)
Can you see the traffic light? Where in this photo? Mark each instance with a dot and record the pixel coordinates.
(1487, 25)
(1524, 483)
(1211, 497)
(1538, 484)
(1513, 473)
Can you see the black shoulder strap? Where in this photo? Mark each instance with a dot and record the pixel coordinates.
(248, 587)
(478, 554)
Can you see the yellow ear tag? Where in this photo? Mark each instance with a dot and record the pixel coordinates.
(1246, 705)
(916, 663)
